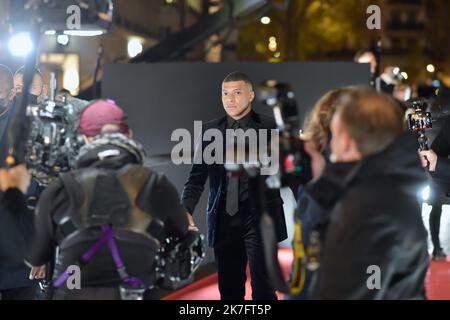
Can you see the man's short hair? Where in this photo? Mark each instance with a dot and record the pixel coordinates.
(361, 53)
(6, 72)
(372, 119)
(21, 71)
(238, 76)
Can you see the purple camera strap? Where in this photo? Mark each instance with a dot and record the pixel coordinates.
(108, 239)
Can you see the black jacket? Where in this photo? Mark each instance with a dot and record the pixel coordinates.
(373, 219)
(441, 146)
(157, 196)
(16, 222)
(216, 173)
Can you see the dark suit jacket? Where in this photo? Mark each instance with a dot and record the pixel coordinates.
(217, 183)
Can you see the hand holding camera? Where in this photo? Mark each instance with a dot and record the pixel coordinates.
(317, 161)
(15, 177)
(428, 158)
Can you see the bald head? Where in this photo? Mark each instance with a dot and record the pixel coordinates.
(370, 120)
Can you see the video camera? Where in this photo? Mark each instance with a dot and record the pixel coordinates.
(175, 263)
(295, 163)
(44, 135)
(53, 142)
(178, 259)
(419, 120)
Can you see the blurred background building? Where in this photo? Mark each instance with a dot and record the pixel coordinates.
(415, 36)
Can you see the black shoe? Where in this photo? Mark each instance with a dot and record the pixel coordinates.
(439, 255)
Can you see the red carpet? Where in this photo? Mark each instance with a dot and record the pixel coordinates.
(437, 282)
(207, 288)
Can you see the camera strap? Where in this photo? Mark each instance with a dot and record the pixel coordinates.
(296, 284)
(298, 266)
(108, 239)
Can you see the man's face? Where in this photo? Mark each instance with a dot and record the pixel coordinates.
(5, 88)
(36, 86)
(341, 143)
(236, 98)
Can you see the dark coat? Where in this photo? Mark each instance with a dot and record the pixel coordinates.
(16, 224)
(441, 146)
(217, 183)
(373, 218)
(16, 230)
(53, 223)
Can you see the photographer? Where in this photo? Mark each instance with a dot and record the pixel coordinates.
(16, 221)
(6, 108)
(437, 162)
(110, 188)
(367, 201)
(38, 89)
(317, 132)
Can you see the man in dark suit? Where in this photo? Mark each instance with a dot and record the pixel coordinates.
(436, 160)
(233, 217)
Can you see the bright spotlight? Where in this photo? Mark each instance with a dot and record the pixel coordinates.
(265, 20)
(431, 68)
(63, 39)
(134, 47)
(20, 44)
(83, 33)
(425, 193)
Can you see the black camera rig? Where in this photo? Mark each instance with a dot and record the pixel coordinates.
(419, 120)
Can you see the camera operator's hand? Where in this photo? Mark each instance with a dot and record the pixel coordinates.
(428, 159)
(15, 177)
(317, 161)
(192, 226)
(37, 272)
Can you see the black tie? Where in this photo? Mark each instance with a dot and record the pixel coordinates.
(232, 204)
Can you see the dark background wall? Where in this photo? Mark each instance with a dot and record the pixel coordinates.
(162, 97)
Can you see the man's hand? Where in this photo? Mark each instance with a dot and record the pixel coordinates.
(428, 159)
(317, 161)
(192, 226)
(15, 177)
(37, 272)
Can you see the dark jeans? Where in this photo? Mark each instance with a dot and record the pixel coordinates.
(26, 293)
(238, 241)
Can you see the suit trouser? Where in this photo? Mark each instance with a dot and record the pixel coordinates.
(238, 241)
(435, 225)
(438, 197)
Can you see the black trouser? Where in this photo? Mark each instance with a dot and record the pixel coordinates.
(25, 293)
(238, 240)
(438, 197)
(435, 224)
